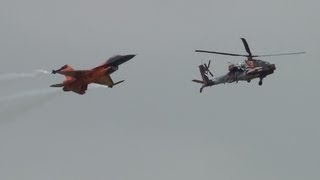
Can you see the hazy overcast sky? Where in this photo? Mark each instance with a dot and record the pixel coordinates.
(156, 125)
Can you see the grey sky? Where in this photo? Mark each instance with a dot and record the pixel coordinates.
(156, 125)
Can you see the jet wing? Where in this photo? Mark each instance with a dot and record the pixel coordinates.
(81, 90)
(105, 80)
(76, 73)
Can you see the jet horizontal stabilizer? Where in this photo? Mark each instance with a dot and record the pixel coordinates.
(57, 85)
(111, 86)
(118, 82)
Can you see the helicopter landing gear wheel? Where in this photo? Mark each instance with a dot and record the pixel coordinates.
(201, 89)
(260, 82)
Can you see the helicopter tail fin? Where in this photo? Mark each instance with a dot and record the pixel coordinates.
(205, 80)
(203, 73)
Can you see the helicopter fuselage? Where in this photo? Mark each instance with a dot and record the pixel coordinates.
(245, 71)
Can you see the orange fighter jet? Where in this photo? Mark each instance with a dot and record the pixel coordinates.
(78, 80)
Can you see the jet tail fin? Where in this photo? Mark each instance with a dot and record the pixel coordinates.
(64, 68)
(68, 68)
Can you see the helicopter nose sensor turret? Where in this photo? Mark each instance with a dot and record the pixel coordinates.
(272, 67)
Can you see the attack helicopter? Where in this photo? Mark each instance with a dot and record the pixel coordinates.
(247, 70)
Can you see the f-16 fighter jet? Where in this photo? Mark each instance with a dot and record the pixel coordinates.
(78, 80)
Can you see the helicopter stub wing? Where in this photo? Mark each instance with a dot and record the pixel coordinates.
(254, 70)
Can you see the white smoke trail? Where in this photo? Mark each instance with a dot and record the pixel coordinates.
(27, 94)
(41, 92)
(14, 106)
(37, 93)
(12, 76)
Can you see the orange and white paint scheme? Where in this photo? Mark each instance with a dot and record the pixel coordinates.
(78, 80)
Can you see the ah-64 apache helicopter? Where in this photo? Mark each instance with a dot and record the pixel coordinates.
(249, 69)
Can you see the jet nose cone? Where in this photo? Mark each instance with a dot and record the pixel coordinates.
(130, 56)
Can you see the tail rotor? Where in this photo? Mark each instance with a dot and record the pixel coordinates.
(206, 69)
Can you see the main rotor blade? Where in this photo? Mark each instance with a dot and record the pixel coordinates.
(209, 64)
(282, 54)
(221, 53)
(206, 66)
(246, 46)
(210, 73)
